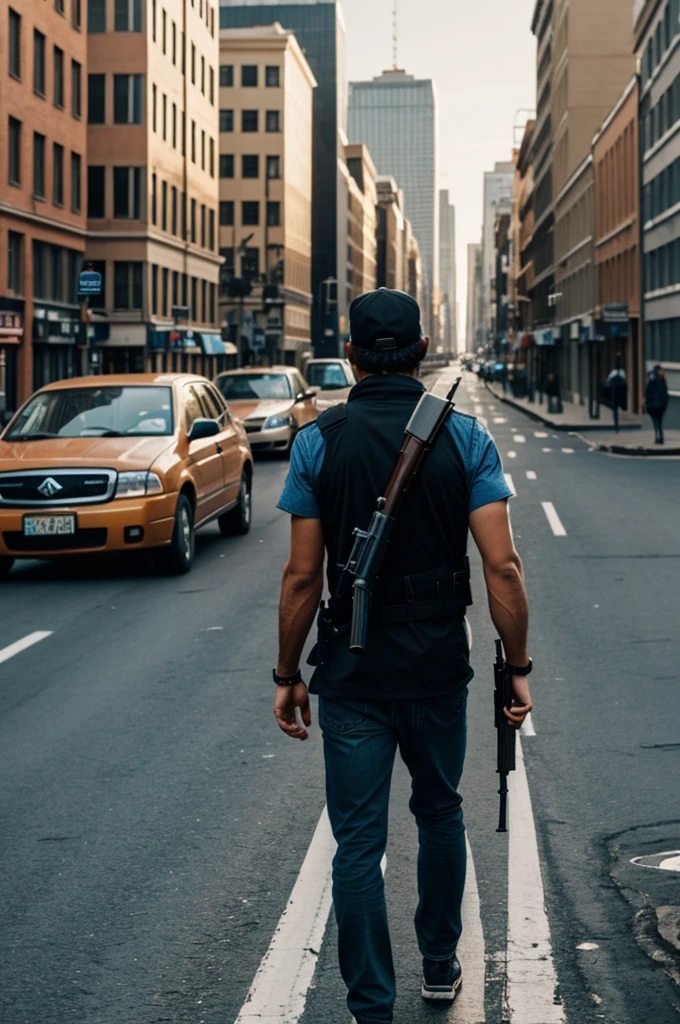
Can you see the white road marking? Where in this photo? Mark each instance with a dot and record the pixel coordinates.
(279, 990)
(546, 449)
(512, 455)
(519, 439)
(509, 482)
(479, 410)
(554, 520)
(22, 645)
(528, 727)
(499, 419)
(469, 1007)
(531, 474)
(532, 979)
(540, 433)
(568, 451)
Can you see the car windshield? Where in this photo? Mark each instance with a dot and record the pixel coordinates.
(95, 412)
(327, 376)
(253, 386)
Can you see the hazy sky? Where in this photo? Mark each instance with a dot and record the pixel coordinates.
(481, 54)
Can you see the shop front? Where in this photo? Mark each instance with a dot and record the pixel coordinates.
(175, 350)
(11, 336)
(56, 356)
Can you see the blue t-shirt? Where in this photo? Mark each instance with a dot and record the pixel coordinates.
(484, 471)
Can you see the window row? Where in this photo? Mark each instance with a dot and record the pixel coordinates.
(169, 204)
(15, 67)
(250, 214)
(250, 166)
(250, 121)
(660, 40)
(663, 116)
(170, 288)
(40, 151)
(662, 192)
(662, 266)
(128, 99)
(663, 340)
(55, 269)
(250, 76)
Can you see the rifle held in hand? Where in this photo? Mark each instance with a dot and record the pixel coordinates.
(507, 738)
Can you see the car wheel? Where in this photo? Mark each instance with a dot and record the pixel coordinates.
(237, 521)
(5, 566)
(179, 557)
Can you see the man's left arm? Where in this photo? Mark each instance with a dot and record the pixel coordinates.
(301, 590)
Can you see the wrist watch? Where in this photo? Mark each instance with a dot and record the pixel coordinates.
(287, 680)
(515, 671)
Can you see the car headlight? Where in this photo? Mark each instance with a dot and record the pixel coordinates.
(278, 421)
(138, 485)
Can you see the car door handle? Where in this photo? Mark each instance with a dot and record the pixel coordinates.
(219, 447)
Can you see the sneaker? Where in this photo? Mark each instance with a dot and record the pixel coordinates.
(442, 979)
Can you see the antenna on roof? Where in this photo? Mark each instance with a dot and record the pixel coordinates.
(395, 35)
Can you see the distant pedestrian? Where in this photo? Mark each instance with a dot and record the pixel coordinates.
(615, 390)
(656, 401)
(552, 390)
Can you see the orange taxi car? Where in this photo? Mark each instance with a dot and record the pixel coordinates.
(122, 463)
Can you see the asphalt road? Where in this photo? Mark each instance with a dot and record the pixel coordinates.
(153, 821)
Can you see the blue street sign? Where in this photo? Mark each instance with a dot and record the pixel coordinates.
(258, 342)
(90, 283)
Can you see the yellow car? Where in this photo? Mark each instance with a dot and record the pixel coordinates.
(274, 403)
(122, 463)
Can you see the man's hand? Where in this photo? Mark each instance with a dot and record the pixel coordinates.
(521, 702)
(288, 700)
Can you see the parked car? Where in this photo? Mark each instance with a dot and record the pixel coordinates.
(333, 380)
(122, 463)
(274, 403)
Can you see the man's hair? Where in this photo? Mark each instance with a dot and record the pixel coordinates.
(399, 360)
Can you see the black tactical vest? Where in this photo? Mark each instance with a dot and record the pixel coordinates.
(412, 655)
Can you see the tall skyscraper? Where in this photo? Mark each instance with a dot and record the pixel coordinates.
(320, 30)
(447, 269)
(474, 260)
(497, 199)
(396, 116)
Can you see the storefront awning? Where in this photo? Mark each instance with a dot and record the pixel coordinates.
(213, 345)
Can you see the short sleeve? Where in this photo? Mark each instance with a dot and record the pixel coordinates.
(486, 477)
(299, 495)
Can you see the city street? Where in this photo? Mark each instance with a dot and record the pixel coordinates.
(154, 822)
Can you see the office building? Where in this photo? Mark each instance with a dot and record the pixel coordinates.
(447, 271)
(395, 115)
(362, 199)
(265, 169)
(391, 225)
(474, 283)
(320, 30)
(43, 137)
(497, 202)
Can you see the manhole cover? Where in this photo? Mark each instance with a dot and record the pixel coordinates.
(669, 861)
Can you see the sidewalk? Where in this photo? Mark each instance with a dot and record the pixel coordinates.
(636, 435)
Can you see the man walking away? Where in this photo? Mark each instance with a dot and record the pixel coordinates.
(615, 390)
(408, 691)
(656, 401)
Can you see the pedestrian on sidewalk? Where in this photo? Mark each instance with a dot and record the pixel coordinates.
(656, 401)
(552, 390)
(408, 691)
(615, 390)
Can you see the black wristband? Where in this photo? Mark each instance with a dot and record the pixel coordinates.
(515, 671)
(287, 680)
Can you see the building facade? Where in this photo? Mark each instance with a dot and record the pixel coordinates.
(395, 115)
(152, 184)
(320, 30)
(657, 45)
(447, 272)
(616, 157)
(497, 202)
(521, 232)
(540, 252)
(473, 328)
(362, 244)
(43, 143)
(390, 228)
(265, 210)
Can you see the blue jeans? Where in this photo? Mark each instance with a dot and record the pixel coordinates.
(360, 743)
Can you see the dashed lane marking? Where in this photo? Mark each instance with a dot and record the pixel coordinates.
(528, 726)
(479, 410)
(540, 433)
(532, 979)
(554, 520)
(499, 420)
(519, 439)
(22, 645)
(568, 451)
(510, 483)
(546, 449)
(531, 474)
(512, 455)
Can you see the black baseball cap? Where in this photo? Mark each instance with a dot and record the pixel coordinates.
(385, 320)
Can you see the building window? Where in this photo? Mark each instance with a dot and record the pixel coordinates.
(96, 99)
(249, 76)
(193, 220)
(127, 193)
(154, 106)
(76, 100)
(128, 290)
(212, 158)
(75, 182)
(14, 44)
(226, 213)
(75, 15)
(173, 210)
(59, 6)
(211, 93)
(202, 150)
(193, 64)
(175, 287)
(96, 192)
(58, 77)
(250, 166)
(38, 165)
(96, 15)
(153, 20)
(127, 99)
(249, 120)
(203, 225)
(164, 205)
(273, 77)
(203, 76)
(15, 262)
(226, 76)
(226, 165)
(128, 16)
(211, 230)
(154, 196)
(165, 117)
(174, 43)
(38, 63)
(204, 301)
(154, 289)
(194, 298)
(164, 30)
(273, 167)
(274, 215)
(165, 291)
(273, 121)
(174, 126)
(226, 120)
(58, 175)
(250, 214)
(250, 264)
(193, 142)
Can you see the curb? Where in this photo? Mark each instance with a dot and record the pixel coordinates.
(570, 428)
(639, 451)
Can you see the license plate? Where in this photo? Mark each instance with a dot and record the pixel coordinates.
(49, 526)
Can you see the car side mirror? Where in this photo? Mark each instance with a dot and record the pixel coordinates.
(202, 429)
